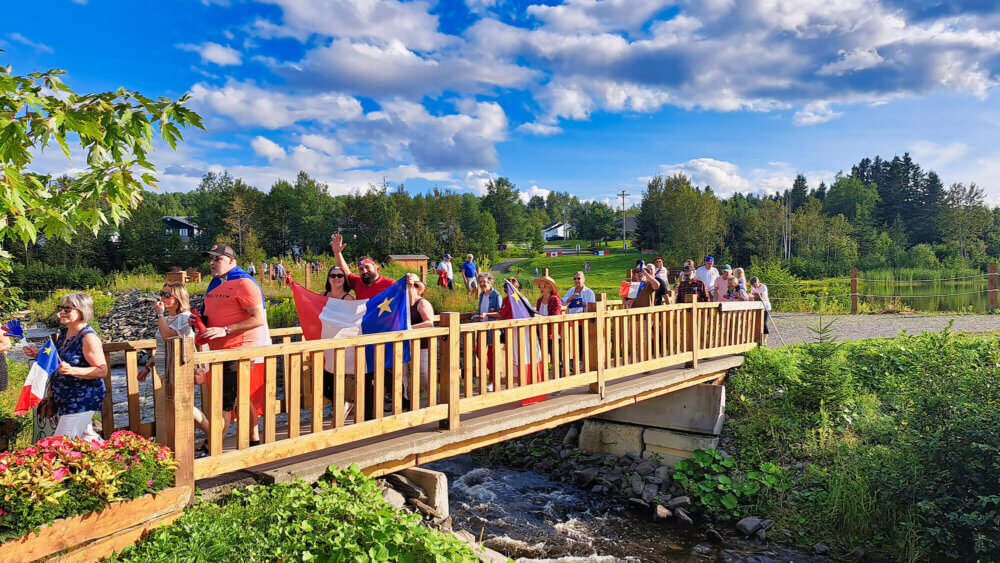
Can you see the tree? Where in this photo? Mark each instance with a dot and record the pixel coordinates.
(678, 219)
(596, 222)
(537, 242)
(503, 202)
(799, 193)
(966, 218)
(115, 130)
(852, 198)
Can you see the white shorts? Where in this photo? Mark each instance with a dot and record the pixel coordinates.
(79, 424)
(470, 283)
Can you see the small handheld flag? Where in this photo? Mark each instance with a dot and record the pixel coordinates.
(38, 378)
(14, 328)
(630, 290)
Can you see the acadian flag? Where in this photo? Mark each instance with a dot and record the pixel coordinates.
(326, 317)
(387, 312)
(520, 308)
(38, 378)
(630, 290)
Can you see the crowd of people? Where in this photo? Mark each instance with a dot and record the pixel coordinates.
(234, 316)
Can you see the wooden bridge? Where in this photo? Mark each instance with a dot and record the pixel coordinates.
(598, 361)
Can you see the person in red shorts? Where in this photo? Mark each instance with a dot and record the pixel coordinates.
(234, 313)
(371, 282)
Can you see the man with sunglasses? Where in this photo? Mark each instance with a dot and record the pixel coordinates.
(234, 318)
(371, 282)
(579, 297)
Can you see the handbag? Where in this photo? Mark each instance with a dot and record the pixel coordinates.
(46, 408)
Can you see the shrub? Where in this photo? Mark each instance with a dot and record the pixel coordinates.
(60, 477)
(343, 519)
(39, 277)
(281, 314)
(824, 381)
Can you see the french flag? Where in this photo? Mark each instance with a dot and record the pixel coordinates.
(327, 317)
(630, 290)
(38, 379)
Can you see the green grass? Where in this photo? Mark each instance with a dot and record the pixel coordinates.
(606, 272)
(903, 466)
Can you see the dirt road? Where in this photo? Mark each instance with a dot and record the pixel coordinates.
(794, 327)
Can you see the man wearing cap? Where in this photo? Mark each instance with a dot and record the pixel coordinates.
(371, 282)
(651, 294)
(707, 273)
(445, 266)
(469, 272)
(721, 286)
(233, 314)
(689, 284)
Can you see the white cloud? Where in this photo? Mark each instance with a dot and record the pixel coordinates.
(539, 129)
(250, 105)
(814, 113)
(479, 6)
(723, 176)
(598, 15)
(214, 53)
(411, 23)
(935, 155)
(858, 59)
(531, 192)
(267, 148)
(40, 47)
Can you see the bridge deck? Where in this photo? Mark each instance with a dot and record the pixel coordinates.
(426, 443)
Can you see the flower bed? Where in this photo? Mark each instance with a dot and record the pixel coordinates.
(60, 477)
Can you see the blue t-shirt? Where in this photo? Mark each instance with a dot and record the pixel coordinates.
(71, 394)
(469, 269)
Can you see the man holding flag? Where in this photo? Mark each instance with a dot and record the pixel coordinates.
(235, 318)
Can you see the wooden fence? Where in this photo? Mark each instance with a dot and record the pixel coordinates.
(456, 368)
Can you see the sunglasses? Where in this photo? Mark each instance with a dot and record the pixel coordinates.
(65, 308)
(335, 276)
(166, 294)
(577, 278)
(217, 258)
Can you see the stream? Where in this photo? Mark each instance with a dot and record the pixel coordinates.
(529, 517)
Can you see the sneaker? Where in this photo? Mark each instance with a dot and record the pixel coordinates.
(489, 387)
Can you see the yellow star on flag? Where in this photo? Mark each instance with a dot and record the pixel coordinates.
(384, 306)
(47, 350)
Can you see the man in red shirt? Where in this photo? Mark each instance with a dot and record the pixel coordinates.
(371, 282)
(234, 311)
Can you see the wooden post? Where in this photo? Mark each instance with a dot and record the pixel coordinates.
(598, 347)
(694, 330)
(854, 291)
(179, 398)
(307, 276)
(451, 355)
(992, 286)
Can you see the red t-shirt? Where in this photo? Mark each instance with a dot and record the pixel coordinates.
(228, 304)
(362, 291)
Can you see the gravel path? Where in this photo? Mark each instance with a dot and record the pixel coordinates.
(794, 327)
(504, 265)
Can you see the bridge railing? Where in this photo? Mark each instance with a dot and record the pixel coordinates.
(453, 370)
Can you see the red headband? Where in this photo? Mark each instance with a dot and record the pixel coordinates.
(369, 262)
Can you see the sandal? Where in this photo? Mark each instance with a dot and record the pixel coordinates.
(201, 452)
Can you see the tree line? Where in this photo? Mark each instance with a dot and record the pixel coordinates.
(882, 214)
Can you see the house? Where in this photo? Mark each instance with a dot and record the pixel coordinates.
(416, 262)
(181, 226)
(630, 224)
(556, 231)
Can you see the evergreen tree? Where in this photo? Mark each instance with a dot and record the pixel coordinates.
(799, 193)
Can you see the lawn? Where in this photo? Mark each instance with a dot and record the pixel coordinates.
(606, 272)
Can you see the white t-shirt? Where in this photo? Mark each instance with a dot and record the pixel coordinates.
(707, 276)
(446, 266)
(178, 323)
(721, 289)
(764, 298)
(578, 302)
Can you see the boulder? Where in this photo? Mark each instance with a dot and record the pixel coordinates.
(649, 491)
(572, 437)
(749, 525)
(662, 472)
(661, 512)
(679, 502)
(821, 549)
(682, 517)
(394, 498)
(584, 477)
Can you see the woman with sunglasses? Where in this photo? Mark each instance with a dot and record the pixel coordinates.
(78, 385)
(173, 311)
(337, 288)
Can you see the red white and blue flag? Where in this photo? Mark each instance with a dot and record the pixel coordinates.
(630, 290)
(33, 391)
(520, 308)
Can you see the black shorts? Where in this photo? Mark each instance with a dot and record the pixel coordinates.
(767, 318)
(230, 384)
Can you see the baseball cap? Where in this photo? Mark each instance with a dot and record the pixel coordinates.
(660, 258)
(447, 255)
(727, 268)
(709, 259)
(220, 250)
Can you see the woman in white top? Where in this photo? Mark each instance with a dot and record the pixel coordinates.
(173, 309)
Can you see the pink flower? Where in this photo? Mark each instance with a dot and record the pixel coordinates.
(60, 473)
(149, 483)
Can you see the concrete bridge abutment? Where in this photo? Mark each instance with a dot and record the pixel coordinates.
(670, 426)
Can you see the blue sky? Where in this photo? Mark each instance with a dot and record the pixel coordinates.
(586, 96)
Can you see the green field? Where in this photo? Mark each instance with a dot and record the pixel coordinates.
(606, 272)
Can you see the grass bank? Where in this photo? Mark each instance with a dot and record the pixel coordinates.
(343, 518)
(889, 446)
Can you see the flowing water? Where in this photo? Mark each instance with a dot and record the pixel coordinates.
(529, 517)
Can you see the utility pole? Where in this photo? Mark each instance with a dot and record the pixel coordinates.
(624, 194)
